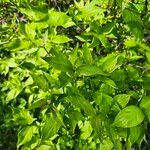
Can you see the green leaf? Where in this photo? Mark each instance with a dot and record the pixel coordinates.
(145, 102)
(18, 44)
(89, 70)
(89, 10)
(79, 101)
(38, 103)
(108, 82)
(22, 116)
(136, 133)
(111, 62)
(74, 55)
(133, 73)
(58, 18)
(35, 13)
(60, 39)
(130, 116)
(30, 29)
(64, 79)
(40, 81)
(145, 105)
(51, 126)
(97, 125)
(119, 3)
(25, 135)
(86, 130)
(130, 43)
(44, 147)
(132, 18)
(106, 29)
(12, 94)
(107, 144)
(122, 99)
(59, 62)
(87, 54)
(74, 117)
(104, 101)
(104, 41)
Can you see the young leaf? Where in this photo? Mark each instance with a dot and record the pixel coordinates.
(26, 134)
(58, 18)
(35, 13)
(44, 147)
(22, 116)
(86, 130)
(104, 41)
(87, 54)
(130, 116)
(60, 39)
(110, 63)
(107, 144)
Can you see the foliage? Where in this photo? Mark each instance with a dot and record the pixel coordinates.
(74, 74)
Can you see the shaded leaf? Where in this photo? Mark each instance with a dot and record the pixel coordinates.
(89, 70)
(51, 126)
(79, 101)
(59, 62)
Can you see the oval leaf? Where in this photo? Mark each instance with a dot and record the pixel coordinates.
(60, 39)
(129, 117)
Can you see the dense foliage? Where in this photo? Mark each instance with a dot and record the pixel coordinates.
(74, 75)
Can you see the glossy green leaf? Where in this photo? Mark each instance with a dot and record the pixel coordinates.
(130, 116)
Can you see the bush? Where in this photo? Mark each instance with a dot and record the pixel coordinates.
(74, 75)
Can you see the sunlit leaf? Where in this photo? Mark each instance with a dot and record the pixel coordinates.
(130, 116)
